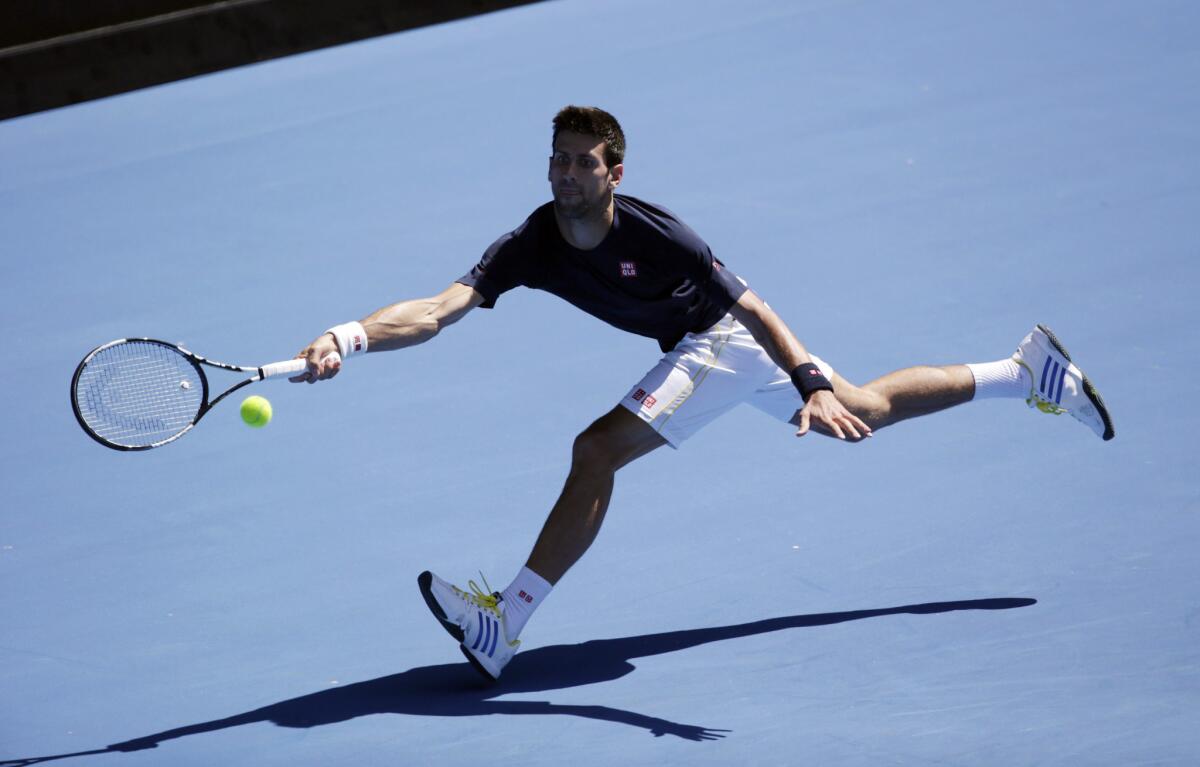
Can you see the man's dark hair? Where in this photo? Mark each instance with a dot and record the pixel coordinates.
(594, 122)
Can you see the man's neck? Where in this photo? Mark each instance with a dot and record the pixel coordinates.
(586, 233)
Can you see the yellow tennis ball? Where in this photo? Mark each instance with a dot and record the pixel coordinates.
(256, 411)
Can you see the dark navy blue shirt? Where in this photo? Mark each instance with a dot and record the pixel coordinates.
(651, 275)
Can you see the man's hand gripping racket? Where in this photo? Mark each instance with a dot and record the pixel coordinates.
(321, 358)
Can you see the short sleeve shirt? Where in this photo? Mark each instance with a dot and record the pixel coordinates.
(651, 275)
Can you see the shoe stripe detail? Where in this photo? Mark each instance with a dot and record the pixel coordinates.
(479, 632)
(1045, 369)
(1061, 379)
(495, 635)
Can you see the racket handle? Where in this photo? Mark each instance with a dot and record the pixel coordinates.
(293, 367)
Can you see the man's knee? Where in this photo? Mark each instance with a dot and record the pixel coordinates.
(612, 441)
(595, 451)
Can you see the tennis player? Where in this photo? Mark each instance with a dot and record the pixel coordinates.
(638, 267)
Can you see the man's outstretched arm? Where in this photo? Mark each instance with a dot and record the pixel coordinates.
(407, 323)
(788, 353)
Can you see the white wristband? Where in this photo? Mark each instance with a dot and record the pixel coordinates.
(351, 339)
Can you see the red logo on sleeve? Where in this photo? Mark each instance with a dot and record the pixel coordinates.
(637, 395)
(649, 402)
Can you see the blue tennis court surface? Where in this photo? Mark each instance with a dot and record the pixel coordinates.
(904, 183)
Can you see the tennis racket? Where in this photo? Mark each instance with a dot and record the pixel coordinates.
(138, 393)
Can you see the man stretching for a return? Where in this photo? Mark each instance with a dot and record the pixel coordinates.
(638, 267)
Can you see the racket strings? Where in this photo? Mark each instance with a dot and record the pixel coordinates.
(137, 393)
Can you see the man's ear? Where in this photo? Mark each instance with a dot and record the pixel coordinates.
(615, 173)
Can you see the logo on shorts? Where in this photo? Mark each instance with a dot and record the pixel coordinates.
(628, 269)
(526, 597)
(647, 400)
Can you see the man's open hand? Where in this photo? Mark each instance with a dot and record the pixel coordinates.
(826, 414)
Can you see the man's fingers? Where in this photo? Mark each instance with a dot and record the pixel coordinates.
(325, 368)
(833, 421)
(853, 432)
(855, 426)
(319, 368)
(331, 365)
(804, 418)
(862, 426)
(835, 428)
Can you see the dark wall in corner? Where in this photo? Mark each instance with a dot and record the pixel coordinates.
(59, 52)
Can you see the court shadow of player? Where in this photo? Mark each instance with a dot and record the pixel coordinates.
(456, 689)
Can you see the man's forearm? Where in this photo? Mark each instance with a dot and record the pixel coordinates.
(407, 323)
(771, 332)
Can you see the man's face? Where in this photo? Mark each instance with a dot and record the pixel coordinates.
(582, 184)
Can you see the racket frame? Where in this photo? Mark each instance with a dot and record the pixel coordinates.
(196, 361)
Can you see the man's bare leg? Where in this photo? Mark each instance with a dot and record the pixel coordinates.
(614, 440)
(905, 394)
(487, 627)
(1041, 373)
(620, 437)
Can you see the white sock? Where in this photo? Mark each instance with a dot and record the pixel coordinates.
(521, 598)
(1000, 379)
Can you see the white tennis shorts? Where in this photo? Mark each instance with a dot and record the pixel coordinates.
(706, 375)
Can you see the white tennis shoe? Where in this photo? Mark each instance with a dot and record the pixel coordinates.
(475, 619)
(1057, 386)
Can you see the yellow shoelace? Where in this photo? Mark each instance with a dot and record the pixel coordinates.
(1048, 407)
(486, 599)
(489, 601)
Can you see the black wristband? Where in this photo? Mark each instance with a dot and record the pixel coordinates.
(808, 378)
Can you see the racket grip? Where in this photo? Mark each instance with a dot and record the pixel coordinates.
(292, 367)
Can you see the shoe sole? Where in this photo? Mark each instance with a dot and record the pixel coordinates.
(1088, 389)
(425, 584)
(476, 664)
